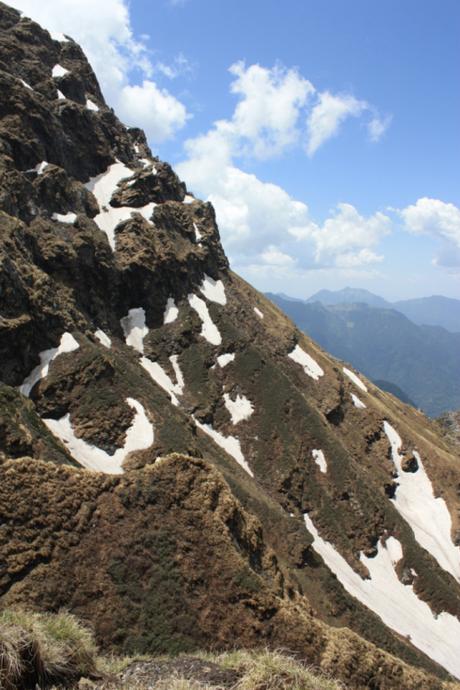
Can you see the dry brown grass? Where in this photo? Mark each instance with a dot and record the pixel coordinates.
(43, 648)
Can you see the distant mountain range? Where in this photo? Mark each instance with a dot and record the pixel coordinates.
(418, 363)
(425, 311)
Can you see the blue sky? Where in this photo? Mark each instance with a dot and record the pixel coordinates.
(350, 109)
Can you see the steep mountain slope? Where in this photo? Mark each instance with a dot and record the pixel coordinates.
(382, 343)
(180, 466)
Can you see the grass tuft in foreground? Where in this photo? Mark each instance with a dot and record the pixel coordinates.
(39, 649)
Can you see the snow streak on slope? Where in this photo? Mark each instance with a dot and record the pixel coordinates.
(258, 313)
(67, 344)
(103, 338)
(160, 377)
(309, 365)
(428, 516)
(318, 457)
(103, 186)
(357, 381)
(240, 409)
(229, 443)
(209, 330)
(139, 436)
(213, 290)
(357, 402)
(135, 331)
(396, 604)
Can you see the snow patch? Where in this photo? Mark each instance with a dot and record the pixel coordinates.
(59, 71)
(225, 359)
(258, 313)
(139, 436)
(396, 604)
(357, 402)
(357, 381)
(58, 36)
(65, 217)
(61, 96)
(103, 186)
(67, 344)
(318, 457)
(103, 338)
(171, 311)
(209, 330)
(230, 444)
(134, 328)
(188, 199)
(310, 366)
(428, 516)
(24, 83)
(240, 409)
(213, 290)
(39, 168)
(91, 105)
(198, 235)
(160, 377)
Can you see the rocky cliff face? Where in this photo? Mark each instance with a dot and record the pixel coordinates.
(180, 466)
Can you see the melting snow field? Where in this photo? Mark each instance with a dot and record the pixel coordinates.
(225, 359)
(160, 377)
(357, 381)
(67, 344)
(171, 311)
(229, 443)
(135, 329)
(309, 365)
(258, 313)
(209, 330)
(103, 186)
(357, 402)
(240, 409)
(103, 338)
(213, 290)
(318, 457)
(396, 604)
(428, 516)
(139, 436)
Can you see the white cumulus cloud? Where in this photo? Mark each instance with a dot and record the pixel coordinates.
(440, 220)
(328, 114)
(104, 31)
(433, 217)
(260, 223)
(269, 106)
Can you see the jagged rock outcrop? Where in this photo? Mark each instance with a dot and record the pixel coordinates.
(179, 464)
